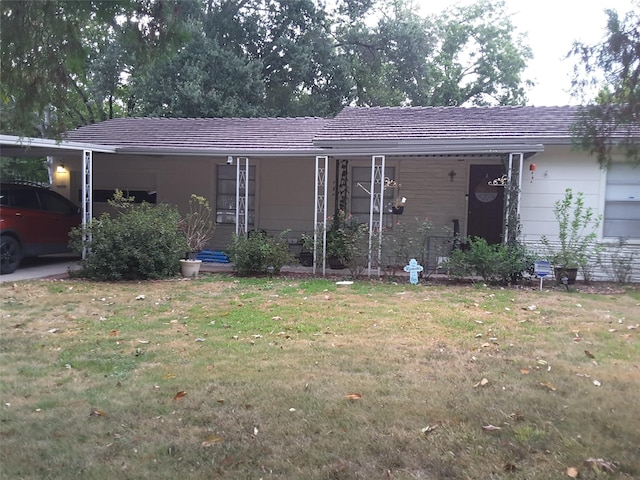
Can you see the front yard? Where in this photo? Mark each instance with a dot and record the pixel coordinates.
(304, 379)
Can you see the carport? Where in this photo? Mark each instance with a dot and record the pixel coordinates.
(14, 146)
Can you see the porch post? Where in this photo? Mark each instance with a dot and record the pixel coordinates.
(512, 198)
(320, 210)
(242, 196)
(376, 196)
(87, 196)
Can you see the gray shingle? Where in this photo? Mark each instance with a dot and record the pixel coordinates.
(356, 124)
(202, 133)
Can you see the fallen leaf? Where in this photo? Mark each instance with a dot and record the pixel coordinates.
(97, 413)
(589, 354)
(114, 333)
(276, 318)
(524, 371)
(353, 396)
(481, 383)
(168, 376)
(179, 395)
(572, 472)
(599, 465)
(212, 440)
(509, 467)
(490, 428)
(429, 428)
(549, 386)
(140, 297)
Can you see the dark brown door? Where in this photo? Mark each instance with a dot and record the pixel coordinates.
(486, 203)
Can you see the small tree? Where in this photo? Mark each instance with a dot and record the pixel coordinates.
(577, 227)
(197, 225)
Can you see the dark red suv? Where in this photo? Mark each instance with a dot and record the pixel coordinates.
(33, 221)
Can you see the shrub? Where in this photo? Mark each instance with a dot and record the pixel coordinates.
(141, 242)
(257, 251)
(619, 266)
(498, 263)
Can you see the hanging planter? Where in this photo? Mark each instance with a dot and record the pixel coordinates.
(397, 210)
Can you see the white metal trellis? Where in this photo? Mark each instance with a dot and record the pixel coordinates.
(376, 196)
(242, 195)
(509, 191)
(87, 196)
(320, 211)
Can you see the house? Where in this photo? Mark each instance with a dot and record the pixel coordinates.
(451, 164)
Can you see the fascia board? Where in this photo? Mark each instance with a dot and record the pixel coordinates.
(444, 149)
(46, 146)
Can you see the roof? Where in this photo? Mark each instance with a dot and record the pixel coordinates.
(355, 125)
(227, 135)
(354, 131)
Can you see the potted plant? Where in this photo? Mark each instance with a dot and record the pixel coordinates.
(197, 227)
(576, 242)
(306, 254)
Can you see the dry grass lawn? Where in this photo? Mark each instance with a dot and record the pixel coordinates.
(304, 379)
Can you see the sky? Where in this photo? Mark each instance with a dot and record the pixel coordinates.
(551, 27)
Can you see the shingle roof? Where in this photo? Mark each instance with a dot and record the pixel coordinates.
(357, 124)
(203, 133)
(353, 130)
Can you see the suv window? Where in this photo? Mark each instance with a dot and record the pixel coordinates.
(26, 198)
(54, 203)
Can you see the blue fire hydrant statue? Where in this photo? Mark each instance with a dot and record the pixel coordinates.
(413, 268)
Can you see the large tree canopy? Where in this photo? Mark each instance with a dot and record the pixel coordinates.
(63, 61)
(612, 67)
(72, 63)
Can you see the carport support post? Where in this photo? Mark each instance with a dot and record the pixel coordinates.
(87, 197)
(320, 212)
(242, 196)
(376, 206)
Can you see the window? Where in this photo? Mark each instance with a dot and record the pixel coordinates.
(622, 202)
(361, 198)
(55, 203)
(139, 196)
(226, 194)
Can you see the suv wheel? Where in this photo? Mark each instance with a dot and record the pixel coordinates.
(10, 254)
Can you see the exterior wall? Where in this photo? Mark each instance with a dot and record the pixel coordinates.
(558, 168)
(285, 190)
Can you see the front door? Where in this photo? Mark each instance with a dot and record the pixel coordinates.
(486, 203)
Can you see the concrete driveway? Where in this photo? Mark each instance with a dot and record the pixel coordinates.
(50, 266)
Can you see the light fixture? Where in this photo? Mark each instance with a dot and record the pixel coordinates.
(61, 168)
(451, 174)
(229, 160)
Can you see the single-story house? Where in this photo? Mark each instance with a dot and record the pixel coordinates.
(451, 164)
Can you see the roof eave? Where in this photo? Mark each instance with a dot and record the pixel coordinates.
(13, 145)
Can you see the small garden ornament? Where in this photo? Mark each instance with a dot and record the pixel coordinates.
(413, 269)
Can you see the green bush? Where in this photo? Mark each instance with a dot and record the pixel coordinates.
(257, 251)
(499, 263)
(141, 242)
